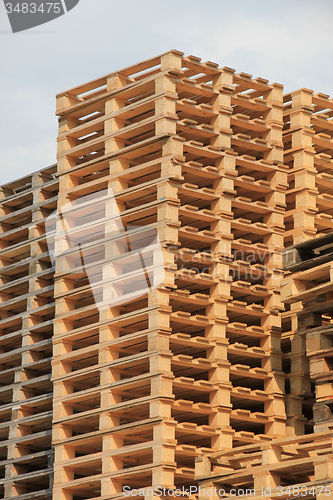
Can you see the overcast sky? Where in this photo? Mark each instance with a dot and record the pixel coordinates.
(284, 41)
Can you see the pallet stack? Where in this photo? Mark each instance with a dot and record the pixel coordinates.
(257, 210)
(308, 131)
(26, 329)
(310, 283)
(194, 153)
(308, 143)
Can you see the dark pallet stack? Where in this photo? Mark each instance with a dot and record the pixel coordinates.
(309, 282)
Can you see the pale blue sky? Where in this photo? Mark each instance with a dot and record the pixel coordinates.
(285, 41)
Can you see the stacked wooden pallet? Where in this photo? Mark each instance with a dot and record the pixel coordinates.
(308, 132)
(26, 328)
(194, 153)
(308, 146)
(296, 467)
(310, 284)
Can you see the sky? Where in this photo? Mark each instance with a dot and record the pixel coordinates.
(284, 41)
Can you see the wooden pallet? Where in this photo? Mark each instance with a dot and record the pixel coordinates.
(279, 469)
